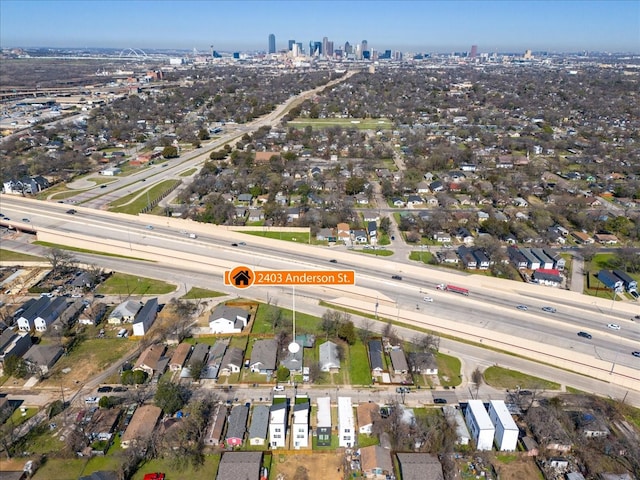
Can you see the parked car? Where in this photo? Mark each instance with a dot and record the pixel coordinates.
(278, 388)
(584, 335)
(105, 389)
(439, 400)
(613, 326)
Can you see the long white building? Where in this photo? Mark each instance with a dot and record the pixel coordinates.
(346, 423)
(506, 434)
(480, 425)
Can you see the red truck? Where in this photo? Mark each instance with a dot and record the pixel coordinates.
(453, 288)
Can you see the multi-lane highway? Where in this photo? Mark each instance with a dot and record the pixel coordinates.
(491, 307)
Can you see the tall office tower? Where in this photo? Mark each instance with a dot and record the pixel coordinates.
(348, 49)
(325, 46)
(365, 47)
(317, 48)
(474, 51)
(272, 43)
(300, 49)
(329, 49)
(291, 44)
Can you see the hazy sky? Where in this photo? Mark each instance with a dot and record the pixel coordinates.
(427, 26)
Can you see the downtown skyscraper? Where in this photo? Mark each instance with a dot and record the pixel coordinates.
(272, 43)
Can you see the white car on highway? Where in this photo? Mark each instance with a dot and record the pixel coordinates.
(613, 326)
(428, 299)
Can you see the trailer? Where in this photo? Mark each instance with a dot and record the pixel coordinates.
(453, 288)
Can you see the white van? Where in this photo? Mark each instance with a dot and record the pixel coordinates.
(193, 235)
(122, 333)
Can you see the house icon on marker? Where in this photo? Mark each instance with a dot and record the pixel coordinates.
(242, 278)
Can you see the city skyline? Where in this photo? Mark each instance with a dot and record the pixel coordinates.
(420, 26)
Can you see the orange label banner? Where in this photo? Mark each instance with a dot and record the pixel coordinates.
(244, 277)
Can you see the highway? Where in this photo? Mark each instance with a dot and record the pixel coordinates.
(490, 308)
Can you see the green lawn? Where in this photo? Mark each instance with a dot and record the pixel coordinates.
(358, 360)
(299, 237)
(206, 472)
(448, 370)
(9, 256)
(186, 173)
(121, 283)
(359, 123)
(424, 257)
(83, 250)
(263, 322)
(196, 292)
(378, 252)
(500, 377)
(135, 202)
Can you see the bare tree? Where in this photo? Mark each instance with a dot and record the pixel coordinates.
(427, 342)
(477, 379)
(366, 331)
(61, 260)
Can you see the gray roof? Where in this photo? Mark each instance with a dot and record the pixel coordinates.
(329, 355)
(228, 313)
(126, 309)
(259, 422)
(43, 355)
(419, 466)
(264, 352)
(216, 353)
(233, 356)
(240, 466)
(398, 360)
(293, 361)
(237, 422)
(375, 355)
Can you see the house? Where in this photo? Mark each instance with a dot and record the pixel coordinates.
(630, 285)
(520, 202)
(420, 466)
(225, 319)
(42, 313)
(442, 237)
(372, 229)
(582, 238)
(237, 426)
(375, 462)
(545, 261)
(149, 359)
(517, 258)
(259, 425)
(479, 424)
(93, 314)
(214, 360)
(328, 356)
(606, 239)
(145, 317)
(365, 415)
(103, 424)
(533, 263)
(213, 433)
(360, 236)
(399, 362)
(375, 357)
(293, 361)
(423, 363)
(13, 343)
(346, 424)
(414, 200)
(431, 201)
(436, 186)
(278, 414)
(454, 415)
(125, 312)
(141, 426)
(611, 281)
(231, 362)
(397, 202)
(323, 421)
(506, 430)
(558, 261)
(463, 235)
(198, 356)
(327, 235)
(263, 356)
(467, 257)
(300, 426)
(548, 277)
(240, 465)
(179, 356)
(43, 357)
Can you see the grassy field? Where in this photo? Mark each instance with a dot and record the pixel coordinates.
(378, 252)
(448, 370)
(196, 292)
(84, 250)
(359, 123)
(136, 201)
(359, 371)
(186, 173)
(9, 256)
(299, 237)
(424, 257)
(205, 472)
(499, 377)
(121, 283)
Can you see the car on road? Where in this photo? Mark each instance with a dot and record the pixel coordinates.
(149, 227)
(143, 180)
(72, 211)
(98, 295)
(90, 400)
(278, 388)
(396, 277)
(105, 389)
(636, 354)
(584, 335)
(103, 186)
(613, 326)
(428, 299)
(242, 244)
(333, 260)
(234, 244)
(119, 389)
(26, 220)
(522, 307)
(549, 309)
(525, 392)
(440, 400)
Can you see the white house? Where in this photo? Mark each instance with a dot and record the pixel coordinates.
(278, 422)
(125, 312)
(226, 319)
(300, 427)
(323, 424)
(480, 425)
(506, 430)
(346, 423)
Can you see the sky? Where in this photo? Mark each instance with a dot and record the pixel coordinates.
(242, 25)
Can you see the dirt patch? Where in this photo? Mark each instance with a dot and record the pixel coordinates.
(524, 468)
(319, 466)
